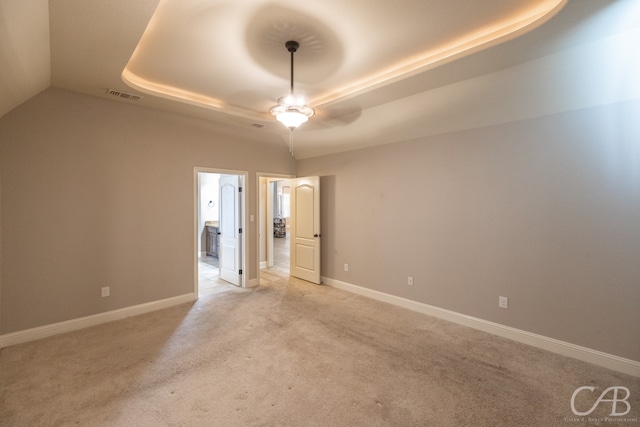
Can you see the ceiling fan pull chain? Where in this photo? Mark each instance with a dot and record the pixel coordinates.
(291, 142)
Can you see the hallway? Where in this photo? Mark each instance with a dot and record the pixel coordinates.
(209, 281)
(280, 269)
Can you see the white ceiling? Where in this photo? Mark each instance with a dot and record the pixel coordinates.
(375, 71)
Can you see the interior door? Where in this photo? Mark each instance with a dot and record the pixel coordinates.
(230, 230)
(305, 229)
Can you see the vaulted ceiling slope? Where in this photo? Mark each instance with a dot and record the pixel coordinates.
(25, 61)
(375, 71)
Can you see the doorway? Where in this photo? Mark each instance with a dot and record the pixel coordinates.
(279, 215)
(274, 227)
(219, 221)
(302, 245)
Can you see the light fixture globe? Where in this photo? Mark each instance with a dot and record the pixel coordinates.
(292, 116)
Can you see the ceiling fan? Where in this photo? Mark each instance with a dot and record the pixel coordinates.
(292, 110)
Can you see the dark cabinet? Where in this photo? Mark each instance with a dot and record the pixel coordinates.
(213, 241)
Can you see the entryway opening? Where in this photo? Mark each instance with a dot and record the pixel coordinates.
(290, 208)
(275, 228)
(220, 239)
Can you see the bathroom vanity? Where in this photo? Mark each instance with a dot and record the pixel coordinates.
(213, 237)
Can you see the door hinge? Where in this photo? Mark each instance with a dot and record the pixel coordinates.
(239, 189)
(240, 231)
(240, 272)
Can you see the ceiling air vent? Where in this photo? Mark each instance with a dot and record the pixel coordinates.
(125, 95)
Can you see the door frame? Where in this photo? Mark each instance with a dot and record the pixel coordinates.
(243, 200)
(259, 223)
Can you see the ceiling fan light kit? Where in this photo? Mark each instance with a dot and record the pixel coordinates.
(292, 115)
(291, 111)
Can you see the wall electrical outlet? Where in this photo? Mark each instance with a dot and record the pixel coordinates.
(105, 291)
(503, 302)
(410, 281)
(346, 267)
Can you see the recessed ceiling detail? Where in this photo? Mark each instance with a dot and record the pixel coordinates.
(228, 56)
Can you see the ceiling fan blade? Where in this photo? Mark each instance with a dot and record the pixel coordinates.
(336, 115)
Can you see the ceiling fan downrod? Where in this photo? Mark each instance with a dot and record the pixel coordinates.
(292, 46)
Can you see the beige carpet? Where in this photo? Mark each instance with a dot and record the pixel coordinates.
(294, 354)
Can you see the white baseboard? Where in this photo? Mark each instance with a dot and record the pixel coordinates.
(609, 361)
(27, 335)
(263, 264)
(252, 283)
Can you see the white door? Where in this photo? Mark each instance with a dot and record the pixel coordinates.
(230, 230)
(305, 229)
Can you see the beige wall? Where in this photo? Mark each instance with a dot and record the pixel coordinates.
(101, 193)
(543, 211)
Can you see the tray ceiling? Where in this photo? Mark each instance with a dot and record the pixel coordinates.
(375, 71)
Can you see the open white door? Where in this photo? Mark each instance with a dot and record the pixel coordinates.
(230, 230)
(305, 229)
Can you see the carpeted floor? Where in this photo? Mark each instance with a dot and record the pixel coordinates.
(295, 354)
